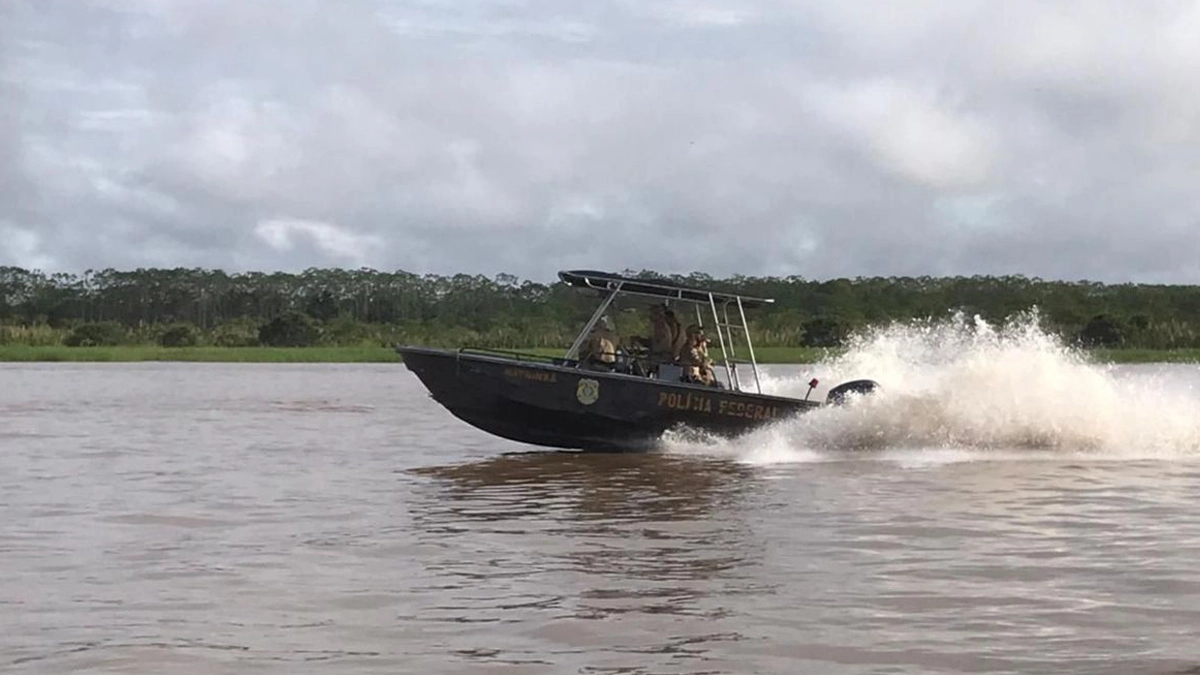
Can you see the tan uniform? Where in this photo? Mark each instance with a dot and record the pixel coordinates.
(696, 363)
(600, 346)
(662, 340)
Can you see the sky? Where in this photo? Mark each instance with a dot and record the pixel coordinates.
(1050, 138)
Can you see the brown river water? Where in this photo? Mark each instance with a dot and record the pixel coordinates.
(991, 514)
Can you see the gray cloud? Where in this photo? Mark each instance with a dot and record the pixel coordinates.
(757, 137)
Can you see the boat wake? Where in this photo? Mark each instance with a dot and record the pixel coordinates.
(962, 389)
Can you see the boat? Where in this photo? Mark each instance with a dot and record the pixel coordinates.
(626, 399)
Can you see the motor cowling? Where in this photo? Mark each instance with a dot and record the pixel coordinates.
(843, 392)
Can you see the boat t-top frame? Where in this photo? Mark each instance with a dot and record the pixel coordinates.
(719, 304)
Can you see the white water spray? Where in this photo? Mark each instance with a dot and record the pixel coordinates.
(963, 387)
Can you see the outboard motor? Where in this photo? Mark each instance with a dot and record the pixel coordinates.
(839, 394)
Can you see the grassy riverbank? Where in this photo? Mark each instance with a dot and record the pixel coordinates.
(1147, 355)
(206, 354)
(385, 354)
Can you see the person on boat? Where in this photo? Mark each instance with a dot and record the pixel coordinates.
(696, 364)
(679, 340)
(600, 348)
(662, 338)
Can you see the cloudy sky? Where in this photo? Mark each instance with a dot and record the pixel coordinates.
(1051, 138)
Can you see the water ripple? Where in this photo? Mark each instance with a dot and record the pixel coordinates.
(335, 519)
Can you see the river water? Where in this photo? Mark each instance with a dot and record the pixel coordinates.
(220, 518)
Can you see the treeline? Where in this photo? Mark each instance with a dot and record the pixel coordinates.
(360, 307)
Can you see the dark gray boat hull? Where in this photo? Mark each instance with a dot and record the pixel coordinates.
(556, 404)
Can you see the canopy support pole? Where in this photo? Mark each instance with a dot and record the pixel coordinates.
(573, 353)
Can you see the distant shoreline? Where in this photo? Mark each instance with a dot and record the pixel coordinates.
(131, 354)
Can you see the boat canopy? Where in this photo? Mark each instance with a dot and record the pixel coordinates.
(730, 330)
(655, 288)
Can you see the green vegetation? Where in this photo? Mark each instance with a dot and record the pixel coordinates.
(103, 334)
(290, 329)
(1146, 355)
(212, 354)
(354, 315)
(130, 353)
(179, 335)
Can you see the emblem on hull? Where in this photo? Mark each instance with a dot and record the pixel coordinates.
(588, 391)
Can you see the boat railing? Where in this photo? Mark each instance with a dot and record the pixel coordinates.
(733, 339)
(623, 362)
(519, 356)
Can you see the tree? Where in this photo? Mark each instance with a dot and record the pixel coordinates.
(321, 306)
(102, 334)
(508, 312)
(179, 335)
(290, 329)
(240, 333)
(824, 332)
(1102, 331)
